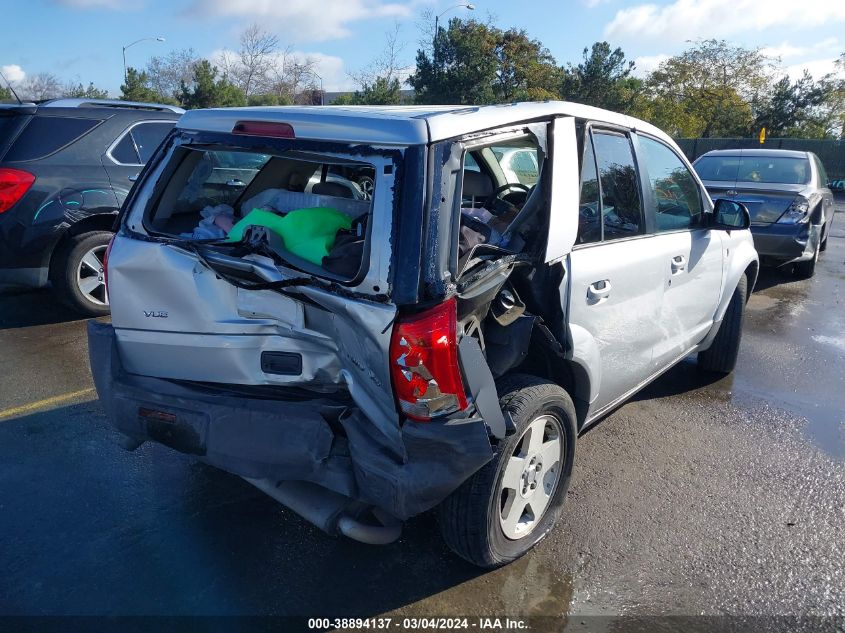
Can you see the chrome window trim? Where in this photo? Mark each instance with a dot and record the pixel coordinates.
(127, 131)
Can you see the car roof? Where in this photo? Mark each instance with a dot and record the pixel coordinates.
(401, 125)
(786, 153)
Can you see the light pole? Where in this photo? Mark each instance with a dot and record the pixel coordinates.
(322, 94)
(143, 39)
(467, 5)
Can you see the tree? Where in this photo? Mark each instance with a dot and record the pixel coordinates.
(165, 75)
(5, 94)
(795, 108)
(473, 63)
(255, 60)
(602, 79)
(379, 82)
(137, 88)
(40, 86)
(79, 91)
(209, 91)
(708, 88)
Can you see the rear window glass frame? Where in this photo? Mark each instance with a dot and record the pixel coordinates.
(24, 134)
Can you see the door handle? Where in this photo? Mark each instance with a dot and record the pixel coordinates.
(598, 291)
(133, 177)
(679, 263)
(235, 182)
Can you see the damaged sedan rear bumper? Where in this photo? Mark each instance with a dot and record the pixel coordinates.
(329, 442)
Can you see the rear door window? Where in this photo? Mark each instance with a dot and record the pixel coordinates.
(46, 135)
(137, 144)
(148, 136)
(621, 208)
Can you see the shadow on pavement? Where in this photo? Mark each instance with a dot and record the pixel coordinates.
(25, 308)
(769, 277)
(90, 528)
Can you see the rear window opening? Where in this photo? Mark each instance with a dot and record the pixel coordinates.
(306, 210)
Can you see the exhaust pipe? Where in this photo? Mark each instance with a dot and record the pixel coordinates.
(330, 511)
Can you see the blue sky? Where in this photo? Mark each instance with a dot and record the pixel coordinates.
(81, 40)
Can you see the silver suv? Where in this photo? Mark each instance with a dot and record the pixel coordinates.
(440, 343)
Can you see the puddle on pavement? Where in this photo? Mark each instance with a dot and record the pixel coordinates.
(526, 587)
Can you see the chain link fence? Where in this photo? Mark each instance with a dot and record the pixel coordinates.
(831, 153)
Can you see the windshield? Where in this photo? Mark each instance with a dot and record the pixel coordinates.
(766, 169)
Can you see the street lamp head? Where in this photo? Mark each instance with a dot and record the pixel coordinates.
(160, 39)
(471, 7)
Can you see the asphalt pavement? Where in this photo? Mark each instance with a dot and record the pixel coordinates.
(697, 497)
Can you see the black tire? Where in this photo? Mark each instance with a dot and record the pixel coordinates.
(470, 517)
(805, 270)
(721, 356)
(65, 269)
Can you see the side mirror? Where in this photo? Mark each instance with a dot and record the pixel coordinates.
(729, 215)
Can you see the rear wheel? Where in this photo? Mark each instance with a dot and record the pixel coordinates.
(77, 273)
(509, 505)
(721, 356)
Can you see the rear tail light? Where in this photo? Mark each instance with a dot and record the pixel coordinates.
(13, 184)
(106, 263)
(797, 213)
(424, 363)
(270, 129)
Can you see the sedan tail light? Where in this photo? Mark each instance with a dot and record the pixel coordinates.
(424, 363)
(13, 184)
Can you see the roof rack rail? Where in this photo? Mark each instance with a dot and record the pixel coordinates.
(110, 103)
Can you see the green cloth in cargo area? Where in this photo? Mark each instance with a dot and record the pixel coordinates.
(307, 233)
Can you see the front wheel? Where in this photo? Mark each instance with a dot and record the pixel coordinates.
(508, 506)
(721, 356)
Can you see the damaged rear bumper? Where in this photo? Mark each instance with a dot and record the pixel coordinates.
(324, 441)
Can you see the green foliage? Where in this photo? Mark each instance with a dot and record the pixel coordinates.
(795, 109)
(380, 92)
(6, 94)
(475, 63)
(79, 91)
(136, 88)
(602, 79)
(209, 90)
(269, 99)
(707, 89)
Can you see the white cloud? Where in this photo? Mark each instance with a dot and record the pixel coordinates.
(592, 4)
(648, 63)
(302, 20)
(784, 51)
(13, 73)
(818, 68)
(787, 50)
(690, 19)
